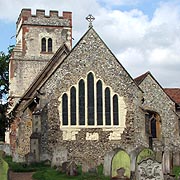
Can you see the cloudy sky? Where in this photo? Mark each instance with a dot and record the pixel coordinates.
(143, 34)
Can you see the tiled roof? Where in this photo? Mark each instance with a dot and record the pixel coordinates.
(140, 78)
(174, 93)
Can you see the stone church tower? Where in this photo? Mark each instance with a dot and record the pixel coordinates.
(38, 37)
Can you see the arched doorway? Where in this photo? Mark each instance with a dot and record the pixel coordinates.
(120, 160)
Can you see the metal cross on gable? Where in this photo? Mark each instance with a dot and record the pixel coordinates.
(90, 19)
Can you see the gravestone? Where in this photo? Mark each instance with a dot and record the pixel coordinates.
(120, 175)
(149, 170)
(59, 156)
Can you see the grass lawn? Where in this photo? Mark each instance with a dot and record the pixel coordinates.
(45, 172)
(176, 171)
(3, 168)
(52, 174)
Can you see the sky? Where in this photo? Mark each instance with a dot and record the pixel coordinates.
(144, 35)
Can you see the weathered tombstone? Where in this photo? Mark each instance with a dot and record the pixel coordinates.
(72, 169)
(149, 170)
(59, 156)
(64, 167)
(120, 160)
(120, 174)
(144, 154)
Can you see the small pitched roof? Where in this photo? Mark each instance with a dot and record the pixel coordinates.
(42, 77)
(140, 78)
(174, 93)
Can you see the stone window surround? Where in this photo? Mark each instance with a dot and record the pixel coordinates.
(121, 105)
(46, 51)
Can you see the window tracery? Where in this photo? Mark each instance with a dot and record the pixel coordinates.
(91, 103)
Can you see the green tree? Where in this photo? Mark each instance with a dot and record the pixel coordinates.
(4, 88)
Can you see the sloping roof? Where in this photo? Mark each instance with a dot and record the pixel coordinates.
(43, 76)
(174, 93)
(140, 78)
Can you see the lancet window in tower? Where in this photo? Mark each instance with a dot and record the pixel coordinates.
(46, 45)
(43, 45)
(91, 104)
(49, 45)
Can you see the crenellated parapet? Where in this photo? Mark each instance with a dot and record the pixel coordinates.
(53, 19)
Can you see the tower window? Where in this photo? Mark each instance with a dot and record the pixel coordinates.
(49, 45)
(46, 45)
(43, 45)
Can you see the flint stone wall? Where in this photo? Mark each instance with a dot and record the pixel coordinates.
(92, 55)
(156, 99)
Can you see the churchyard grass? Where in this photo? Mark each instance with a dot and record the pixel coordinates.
(52, 174)
(3, 168)
(45, 172)
(176, 171)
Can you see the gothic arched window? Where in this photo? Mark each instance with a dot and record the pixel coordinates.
(115, 110)
(99, 103)
(73, 105)
(91, 103)
(81, 102)
(90, 93)
(65, 109)
(49, 45)
(43, 45)
(153, 127)
(107, 106)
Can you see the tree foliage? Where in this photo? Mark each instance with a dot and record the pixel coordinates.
(4, 73)
(4, 88)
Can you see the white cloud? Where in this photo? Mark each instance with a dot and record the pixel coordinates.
(140, 43)
(118, 2)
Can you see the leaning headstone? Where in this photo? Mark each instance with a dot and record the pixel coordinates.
(149, 170)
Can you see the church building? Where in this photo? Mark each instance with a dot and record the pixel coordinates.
(80, 104)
